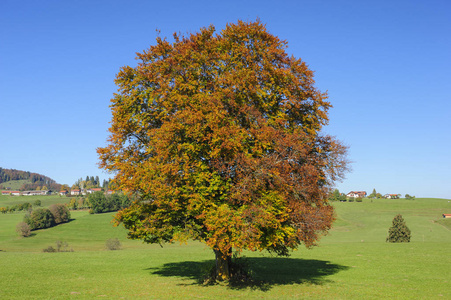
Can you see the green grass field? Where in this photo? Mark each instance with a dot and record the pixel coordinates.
(352, 262)
(45, 200)
(14, 185)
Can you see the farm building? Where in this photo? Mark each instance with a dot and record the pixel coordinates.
(93, 190)
(358, 194)
(447, 216)
(35, 193)
(75, 192)
(391, 196)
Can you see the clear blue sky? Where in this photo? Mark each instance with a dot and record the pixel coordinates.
(385, 64)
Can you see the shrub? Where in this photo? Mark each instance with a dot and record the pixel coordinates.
(37, 203)
(24, 206)
(49, 249)
(113, 244)
(40, 218)
(63, 247)
(60, 213)
(60, 247)
(73, 204)
(23, 229)
(399, 232)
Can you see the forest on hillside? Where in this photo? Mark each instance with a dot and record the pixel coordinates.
(35, 180)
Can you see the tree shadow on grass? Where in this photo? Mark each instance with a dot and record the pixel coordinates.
(266, 272)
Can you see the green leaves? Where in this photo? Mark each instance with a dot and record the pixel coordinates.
(220, 136)
(398, 232)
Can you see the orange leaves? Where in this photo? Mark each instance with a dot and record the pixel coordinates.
(220, 137)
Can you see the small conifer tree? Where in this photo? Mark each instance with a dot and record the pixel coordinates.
(399, 232)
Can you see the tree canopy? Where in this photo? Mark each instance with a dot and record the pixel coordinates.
(220, 135)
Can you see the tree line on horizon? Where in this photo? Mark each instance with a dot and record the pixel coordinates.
(88, 183)
(36, 181)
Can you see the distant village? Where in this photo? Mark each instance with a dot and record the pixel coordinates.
(78, 192)
(362, 194)
(72, 192)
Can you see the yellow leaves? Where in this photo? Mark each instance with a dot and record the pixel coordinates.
(220, 137)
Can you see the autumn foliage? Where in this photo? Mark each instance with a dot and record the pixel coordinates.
(219, 134)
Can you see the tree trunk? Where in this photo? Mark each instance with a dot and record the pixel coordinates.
(223, 265)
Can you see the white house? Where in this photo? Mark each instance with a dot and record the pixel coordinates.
(93, 190)
(75, 192)
(358, 194)
(35, 193)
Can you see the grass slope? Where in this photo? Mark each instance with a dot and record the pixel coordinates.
(14, 185)
(45, 200)
(353, 262)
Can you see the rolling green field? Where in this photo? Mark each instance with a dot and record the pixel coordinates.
(45, 200)
(352, 262)
(14, 185)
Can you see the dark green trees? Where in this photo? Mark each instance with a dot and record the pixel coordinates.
(100, 203)
(40, 218)
(399, 232)
(47, 217)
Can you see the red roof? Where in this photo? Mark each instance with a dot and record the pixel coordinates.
(357, 192)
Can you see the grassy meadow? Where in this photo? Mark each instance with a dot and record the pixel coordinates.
(352, 262)
(14, 185)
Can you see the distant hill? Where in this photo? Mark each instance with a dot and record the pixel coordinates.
(25, 180)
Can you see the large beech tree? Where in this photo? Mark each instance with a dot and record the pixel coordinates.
(219, 135)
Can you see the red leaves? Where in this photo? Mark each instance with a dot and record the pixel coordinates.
(219, 134)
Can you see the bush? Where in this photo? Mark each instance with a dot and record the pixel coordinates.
(24, 206)
(49, 249)
(113, 244)
(399, 232)
(60, 213)
(73, 204)
(40, 218)
(37, 203)
(23, 229)
(60, 247)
